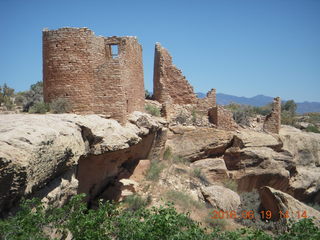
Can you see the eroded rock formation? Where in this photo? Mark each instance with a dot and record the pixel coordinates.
(284, 207)
(39, 149)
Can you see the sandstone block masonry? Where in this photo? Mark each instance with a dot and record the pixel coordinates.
(169, 84)
(94, 74)
(272, 122)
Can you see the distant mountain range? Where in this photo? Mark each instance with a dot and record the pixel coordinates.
(261, 100)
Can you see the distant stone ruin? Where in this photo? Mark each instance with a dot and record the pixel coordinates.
(272, 122)
(95, 74)
(104, 75)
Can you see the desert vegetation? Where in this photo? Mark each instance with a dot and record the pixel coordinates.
(112, 221)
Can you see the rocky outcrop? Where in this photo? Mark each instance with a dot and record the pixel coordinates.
(221, 198)
(36, 149)
(194, 143)
(285, 207)
(305, 148)
(257, 159)
(212, 168)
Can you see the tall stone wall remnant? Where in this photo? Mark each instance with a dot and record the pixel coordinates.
(272, 122)
(94, 74)
(169, 84)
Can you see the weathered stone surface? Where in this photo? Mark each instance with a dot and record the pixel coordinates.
(276, 201)
(305, 148)
(36, 149)
(140, 170)
(82, 68)
(197, 143)
(249, 138)
(212, 168)
(221, 198)
(258, 160)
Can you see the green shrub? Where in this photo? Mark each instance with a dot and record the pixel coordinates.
(184, 200)
(39, 107)
(167, 153)
(303, 229)
(135, 202)
(8, 103)
(154, 171)
(60, 105)
(312, 128)
(178, 159)
(153, 110)
(34, 95)
(194, 116)
(109, 221)
(241, 113)
(197, 172)
(231, 184)
(287, 118)
(215, 223)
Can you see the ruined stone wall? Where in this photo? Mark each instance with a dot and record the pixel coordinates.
(222, 118)
(208, 102)
(272, 122)
(80, 67)
(169, 84)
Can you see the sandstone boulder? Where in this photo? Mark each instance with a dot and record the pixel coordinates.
(212, 168)
(221, 198)
(249, 138)
(194, 143)
(276, 201)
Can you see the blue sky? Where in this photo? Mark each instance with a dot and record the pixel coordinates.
(239, 47)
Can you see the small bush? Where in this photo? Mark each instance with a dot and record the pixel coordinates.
(231, 184)
(198, 174)
(184, 200)
(154, 171)
(31, 97)
(194, 115)
(153, 110)
(287, 118)
(179, 159)
(167, 153)
(313, 129)
(215, 223)
(135, 202)
(39, 107)
(60, 105)
(181, 118)
(8, 103)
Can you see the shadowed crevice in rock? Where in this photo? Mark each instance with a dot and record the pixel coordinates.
(99, 175)
(88, 137)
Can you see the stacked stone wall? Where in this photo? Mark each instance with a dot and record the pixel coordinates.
(222, 118)
(169, 84)
(80, 67)
(272, 122)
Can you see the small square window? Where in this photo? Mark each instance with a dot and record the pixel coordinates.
(114, 50)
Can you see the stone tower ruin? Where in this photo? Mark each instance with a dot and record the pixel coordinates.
(94, 74)
(272, 122)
